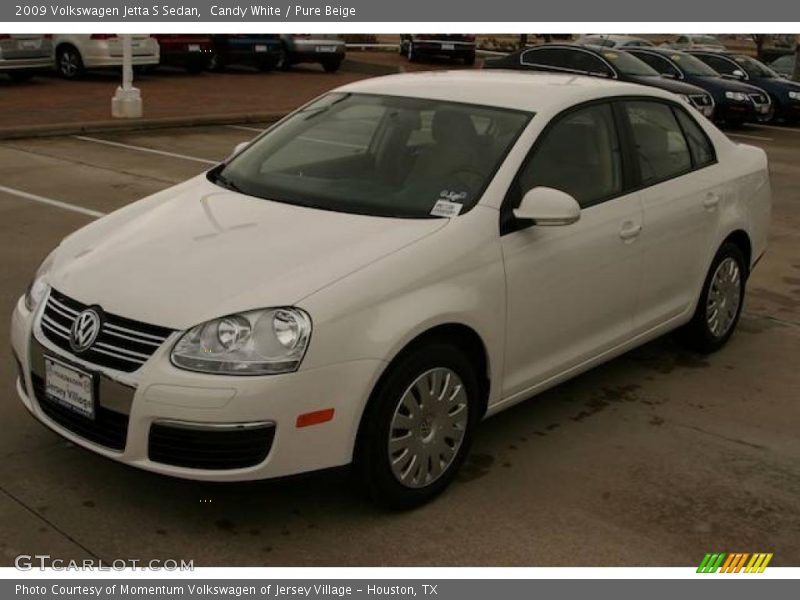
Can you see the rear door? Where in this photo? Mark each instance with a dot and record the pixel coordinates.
(682, 189)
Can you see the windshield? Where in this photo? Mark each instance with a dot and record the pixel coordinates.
(755, 68)
(378, 155)
(692, 65)
(628, 64)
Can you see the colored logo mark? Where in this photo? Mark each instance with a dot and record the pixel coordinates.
(739, 562)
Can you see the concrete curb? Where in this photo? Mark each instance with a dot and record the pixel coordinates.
(59, 129)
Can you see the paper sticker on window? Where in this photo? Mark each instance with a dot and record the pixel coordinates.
(445, 208)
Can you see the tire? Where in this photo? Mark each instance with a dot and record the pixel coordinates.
(435, 426)
(216, 63)
(469, 59)
(704, 333)
(282, 63)
(20, 76)
(69, 62)
(195, 67)
(331, 66)
(411, 54)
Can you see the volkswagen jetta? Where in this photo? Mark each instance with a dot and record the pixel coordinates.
(384, 268)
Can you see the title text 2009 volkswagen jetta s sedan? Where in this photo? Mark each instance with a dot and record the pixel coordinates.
(384, 268)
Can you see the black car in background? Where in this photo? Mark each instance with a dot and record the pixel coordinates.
(784, 94)
(597, 61)
(452, 45)
(328, 50)
(736, 102)
(260, 50)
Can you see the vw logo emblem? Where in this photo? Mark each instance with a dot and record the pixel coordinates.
(85, 330)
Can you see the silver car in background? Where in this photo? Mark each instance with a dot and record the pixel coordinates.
(22, 55)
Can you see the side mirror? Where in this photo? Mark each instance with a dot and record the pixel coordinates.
(739, 74)
(239, 147)
(546, 206)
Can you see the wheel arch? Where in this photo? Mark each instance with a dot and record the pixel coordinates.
(741, 239)
(465, 337)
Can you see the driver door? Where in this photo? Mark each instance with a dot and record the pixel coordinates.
(571, 290)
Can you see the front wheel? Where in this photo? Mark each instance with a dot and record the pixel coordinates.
(720, 304)
(418, 426)
(69, 62)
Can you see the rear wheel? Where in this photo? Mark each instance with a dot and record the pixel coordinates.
(720, 304)
(418, 426)
(69, 62)
(331, 65)
(469, 59)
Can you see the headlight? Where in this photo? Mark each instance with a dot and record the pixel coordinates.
(794, 95)
(738, 96)
(258, 342)
(38, 287)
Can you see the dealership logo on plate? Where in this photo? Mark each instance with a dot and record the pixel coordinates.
(85, 330)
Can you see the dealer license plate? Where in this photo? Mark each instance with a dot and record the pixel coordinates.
(194, 47)
(763, 109)
(326, 48)
(261, 48)
(69, 387)
(29, 44)
(448, 46)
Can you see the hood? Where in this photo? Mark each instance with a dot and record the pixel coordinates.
(197, 252)
(665, 83)
(730, 85)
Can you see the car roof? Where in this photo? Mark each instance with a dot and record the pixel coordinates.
(530, 91)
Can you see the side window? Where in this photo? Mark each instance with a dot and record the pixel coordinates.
(549, 57)
(702, 150)
(588, 63)
(660, 147)
(659, 63)
(719, 64)
(579, 155)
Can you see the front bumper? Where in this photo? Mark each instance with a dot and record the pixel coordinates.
(158, 405)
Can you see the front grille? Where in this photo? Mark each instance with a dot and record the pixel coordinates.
(123, 344)
(207, 448)
(108, 428)
(759, 98)
(702, 100)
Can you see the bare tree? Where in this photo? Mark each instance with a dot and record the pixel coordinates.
(796, 75)
(759, 39)
(523, 40)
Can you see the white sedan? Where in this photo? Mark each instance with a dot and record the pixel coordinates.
(385, 267)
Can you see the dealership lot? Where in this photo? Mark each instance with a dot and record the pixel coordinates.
(653, 459)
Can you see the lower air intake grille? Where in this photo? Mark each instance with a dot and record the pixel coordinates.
(207, 448)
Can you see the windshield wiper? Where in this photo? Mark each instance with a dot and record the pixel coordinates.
(223, 181)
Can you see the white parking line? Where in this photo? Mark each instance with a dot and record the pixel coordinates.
(51, 202)
(84, 138)
(778, 128)
(245, 128)
(750, 137)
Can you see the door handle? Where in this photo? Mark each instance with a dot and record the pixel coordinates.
(630, 231)
(711, 200)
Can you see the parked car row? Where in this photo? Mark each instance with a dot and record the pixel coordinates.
(22, 56)
(721, 85)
